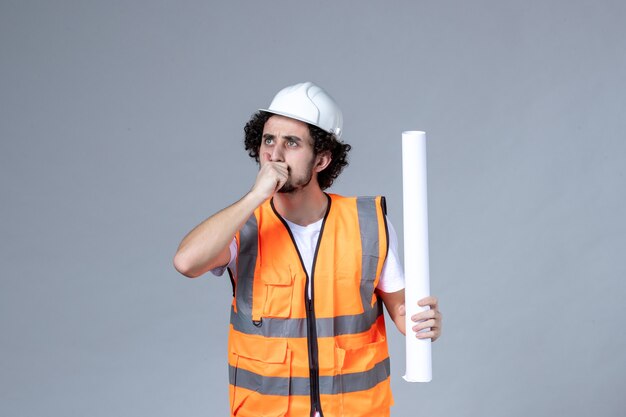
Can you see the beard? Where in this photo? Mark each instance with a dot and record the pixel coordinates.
(294, 184)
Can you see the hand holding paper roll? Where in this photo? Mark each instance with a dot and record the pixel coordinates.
(420, 306)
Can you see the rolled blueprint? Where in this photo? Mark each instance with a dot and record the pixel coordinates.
(415, 208)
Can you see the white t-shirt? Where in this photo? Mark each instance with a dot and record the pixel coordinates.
(391, 277)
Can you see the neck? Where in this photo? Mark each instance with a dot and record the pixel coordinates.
(302, 207)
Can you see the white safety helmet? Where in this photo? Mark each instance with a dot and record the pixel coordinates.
(308, 103)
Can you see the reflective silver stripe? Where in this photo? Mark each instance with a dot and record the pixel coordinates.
(271, 385)
(368, 226)
(326, 327)
(246, 262)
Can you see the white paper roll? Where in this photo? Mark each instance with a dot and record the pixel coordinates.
(415, 207)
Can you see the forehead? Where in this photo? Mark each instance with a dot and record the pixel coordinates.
(284, 126)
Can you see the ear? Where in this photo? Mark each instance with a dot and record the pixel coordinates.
(322, 160)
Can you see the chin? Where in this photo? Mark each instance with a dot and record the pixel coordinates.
(288, 189)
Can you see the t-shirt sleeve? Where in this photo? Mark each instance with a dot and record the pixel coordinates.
(392, 275)
(219, 271)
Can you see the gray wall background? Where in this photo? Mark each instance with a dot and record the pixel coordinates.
(121, 129)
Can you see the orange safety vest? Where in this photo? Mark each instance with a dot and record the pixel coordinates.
(291, 355)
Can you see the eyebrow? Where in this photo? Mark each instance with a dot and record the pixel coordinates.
(294, 138)
(290, 137)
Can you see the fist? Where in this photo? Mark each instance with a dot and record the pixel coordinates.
(271, 177)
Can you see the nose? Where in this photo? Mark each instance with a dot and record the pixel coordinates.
(277, 154)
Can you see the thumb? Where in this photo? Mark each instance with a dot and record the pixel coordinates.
(402, 310)
(266, 157)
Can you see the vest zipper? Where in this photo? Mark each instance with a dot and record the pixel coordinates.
(316, 404)
(313, 359)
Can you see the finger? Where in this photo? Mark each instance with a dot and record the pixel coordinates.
(281, 180)
(428, 324)
(282, 170)
(281, 167)
(428, 301)
(278, 167)
(427, 335)
(281, 176)
(424, 315)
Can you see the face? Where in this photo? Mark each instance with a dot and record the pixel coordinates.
(289, 141)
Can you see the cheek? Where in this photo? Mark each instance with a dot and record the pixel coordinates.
(263, 149)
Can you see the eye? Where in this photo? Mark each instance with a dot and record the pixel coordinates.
(292, 143)
(268, 141)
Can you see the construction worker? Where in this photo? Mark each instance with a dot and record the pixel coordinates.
(310, 272)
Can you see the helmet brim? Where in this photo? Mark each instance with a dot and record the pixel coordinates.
(293, 116)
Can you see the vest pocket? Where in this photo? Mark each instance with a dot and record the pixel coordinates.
(278, 294)
(361, 359)
(364, 378)
(261, 380)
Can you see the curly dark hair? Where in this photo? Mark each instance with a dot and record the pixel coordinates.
(322, 141)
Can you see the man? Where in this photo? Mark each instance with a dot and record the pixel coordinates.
(310, 272)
